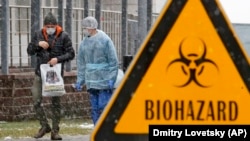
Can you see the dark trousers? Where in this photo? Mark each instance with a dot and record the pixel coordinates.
(98, 100)
(40, 114)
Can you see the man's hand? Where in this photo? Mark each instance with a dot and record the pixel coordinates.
(78, 87)
(53, 61)
(111, 84)
(43, 44)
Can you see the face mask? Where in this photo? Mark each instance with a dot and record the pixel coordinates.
(86, 32)
(50, 31)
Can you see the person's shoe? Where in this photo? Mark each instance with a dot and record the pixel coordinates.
(42, 132)
(55, 135)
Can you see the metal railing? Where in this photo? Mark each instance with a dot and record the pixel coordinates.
(20, 27)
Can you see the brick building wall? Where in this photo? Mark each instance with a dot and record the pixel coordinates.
(16, 99)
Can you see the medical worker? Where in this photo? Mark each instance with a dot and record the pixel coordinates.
(97, 66)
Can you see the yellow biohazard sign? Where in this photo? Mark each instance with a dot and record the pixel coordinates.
(191, 69)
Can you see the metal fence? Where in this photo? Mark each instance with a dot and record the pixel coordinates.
(20, 27)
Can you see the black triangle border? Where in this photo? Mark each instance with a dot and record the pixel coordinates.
(106, 130)
(229, 41)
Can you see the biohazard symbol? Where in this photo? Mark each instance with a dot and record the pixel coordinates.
(192, 66)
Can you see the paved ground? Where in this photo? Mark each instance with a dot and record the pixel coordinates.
(47, 138)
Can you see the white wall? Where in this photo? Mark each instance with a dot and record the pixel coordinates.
(158, 5)
(132, 5)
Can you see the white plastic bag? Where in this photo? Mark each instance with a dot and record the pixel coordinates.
(52, 81)
(119, 77)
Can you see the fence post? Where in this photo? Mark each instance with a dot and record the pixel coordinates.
(60, 12)
(124, 28)
(132, 36)
(86, 8)
(35, 24)
(149, 14)
(5, 37)
(68, 27)
(98, 12)
(142, 20)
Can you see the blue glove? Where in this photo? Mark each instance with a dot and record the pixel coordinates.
(111, 84)
(78, 87)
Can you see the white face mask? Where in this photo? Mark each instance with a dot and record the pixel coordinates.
(86, 32)
(50, 31)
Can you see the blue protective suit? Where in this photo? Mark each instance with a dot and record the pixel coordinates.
(97, 62)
